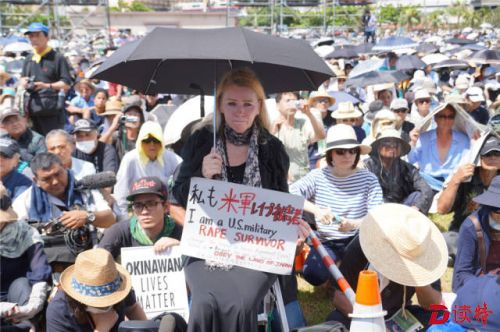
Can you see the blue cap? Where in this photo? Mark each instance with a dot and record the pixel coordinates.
(37, 26)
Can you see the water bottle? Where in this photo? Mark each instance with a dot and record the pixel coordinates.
(61, 100)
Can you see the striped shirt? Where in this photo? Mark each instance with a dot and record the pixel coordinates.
(350, 197)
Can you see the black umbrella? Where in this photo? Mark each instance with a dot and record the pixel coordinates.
(343, 53)
(472, 47)
(451, 64)
(484, 57)
(427, 48)
(185, 61)
(460, 41)
(377, 77)
(364, 48)
(406, 62)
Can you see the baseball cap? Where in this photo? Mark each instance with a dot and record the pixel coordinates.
(6, 111)
(399, 103)
(462, 82)
(421, 94)
(491, 144)
(8, 147)
(147, 185)
(37, 26)
(475, 94)
(84, 125)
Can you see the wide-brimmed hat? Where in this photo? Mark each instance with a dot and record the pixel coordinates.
(403, 245)
(342, 136)
(490, 197)
(320, 94)
(391, 134)
(7, 214)
(113, 107)
(382, 87)
(96, 280)
(346, 110)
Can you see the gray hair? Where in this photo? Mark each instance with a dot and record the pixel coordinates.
(60, 132)
(44, 161)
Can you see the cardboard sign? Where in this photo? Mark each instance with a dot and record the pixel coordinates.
(240, 225)
(158, 280)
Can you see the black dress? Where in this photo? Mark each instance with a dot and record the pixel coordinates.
(228, 300)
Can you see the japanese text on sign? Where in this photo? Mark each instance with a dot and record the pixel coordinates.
(240, 225)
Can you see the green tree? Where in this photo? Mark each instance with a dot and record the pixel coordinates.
(410, 16)
(434, 19)
(137, 6)
(389, 14)
(458, 10)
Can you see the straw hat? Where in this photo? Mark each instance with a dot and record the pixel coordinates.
(113, 107)
(391, 134)
(403, 245)
(346, 110)
(320, 94)
(7, 214)
(342, 136)
(96, 280)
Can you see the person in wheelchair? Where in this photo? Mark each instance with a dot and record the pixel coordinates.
(25, 270)
(95, 295)
(53, 198)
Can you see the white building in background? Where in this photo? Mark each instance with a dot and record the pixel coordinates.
(434, 4)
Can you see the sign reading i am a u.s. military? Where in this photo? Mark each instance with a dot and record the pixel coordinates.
(239, 225)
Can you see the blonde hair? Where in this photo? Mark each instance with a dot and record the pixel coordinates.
(243, 77)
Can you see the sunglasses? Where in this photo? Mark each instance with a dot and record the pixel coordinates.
(446, 117)
(390, 144)
(422, 101)
(497, 211)
(491, 154)
(323, 100)
(342, 152)
(400, 110)
(151, 140)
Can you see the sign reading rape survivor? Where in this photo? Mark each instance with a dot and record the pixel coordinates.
(158, 280)
(239, 225)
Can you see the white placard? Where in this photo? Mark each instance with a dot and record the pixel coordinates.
(158, 280)
(240, 225)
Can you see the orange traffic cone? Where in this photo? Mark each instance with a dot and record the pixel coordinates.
(368, 314)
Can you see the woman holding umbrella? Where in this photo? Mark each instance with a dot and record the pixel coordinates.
(226, 298)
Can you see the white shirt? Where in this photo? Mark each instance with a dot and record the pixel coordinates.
(81, 168)
(131, 170)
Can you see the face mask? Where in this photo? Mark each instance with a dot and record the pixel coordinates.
(495, 225)
(86, 146)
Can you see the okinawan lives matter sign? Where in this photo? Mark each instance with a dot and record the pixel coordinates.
(158, 279)
(240, 225)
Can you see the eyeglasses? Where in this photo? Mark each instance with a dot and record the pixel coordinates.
(491, 154)
(350, 120)
(446, 117)
(400, 110)
(149, 205)
(323, 100)
(151, 140)
(342, 152)
(421, 101)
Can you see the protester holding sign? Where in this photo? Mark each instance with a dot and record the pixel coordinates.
(338, 195)
(150, 224)
(226, 298)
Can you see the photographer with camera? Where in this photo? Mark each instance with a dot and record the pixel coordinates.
(44, 76)
(55, 196)
(296, 133)
(124, 129)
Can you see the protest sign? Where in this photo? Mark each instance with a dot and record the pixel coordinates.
(158, 280)
(240, 225)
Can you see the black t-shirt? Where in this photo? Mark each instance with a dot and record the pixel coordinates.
(52, 68)
(60, 317)
(118, 236)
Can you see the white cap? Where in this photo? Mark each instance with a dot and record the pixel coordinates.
(422, 94)
(399, 103)
(462, 82)
(475, 94)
